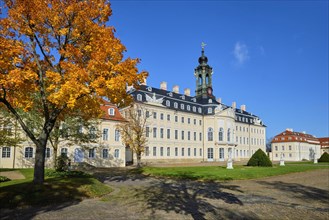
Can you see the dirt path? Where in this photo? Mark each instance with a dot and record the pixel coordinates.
(293, 196)
(13, 175)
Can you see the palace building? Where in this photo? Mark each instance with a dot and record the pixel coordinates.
(180, 128)
(184, 128)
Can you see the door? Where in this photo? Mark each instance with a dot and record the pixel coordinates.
(221, 154)
(78, 155)
(210, 154)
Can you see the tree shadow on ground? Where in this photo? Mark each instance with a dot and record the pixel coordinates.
(191, 198)
(118, 174)
(299, 191)
(26, 200)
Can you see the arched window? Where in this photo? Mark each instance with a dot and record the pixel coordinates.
(139, 97)
(200, 79)
(210, 134)
(220, 134)
(194, 108)
(188, 108)
(175, 105)
(228, 135)
(199, 110)
(168, 103)
(207, 79)
(209, 110)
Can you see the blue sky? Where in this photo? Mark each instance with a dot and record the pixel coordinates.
(271, 56)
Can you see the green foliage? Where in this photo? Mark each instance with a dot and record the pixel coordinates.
(62, 163)
(65, 174)
(324, 157)
(260, 159)
(4, 179)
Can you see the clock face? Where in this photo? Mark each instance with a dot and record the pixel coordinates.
(209, 91)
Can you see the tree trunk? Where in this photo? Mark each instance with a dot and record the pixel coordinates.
(138, 160)
(39, 165)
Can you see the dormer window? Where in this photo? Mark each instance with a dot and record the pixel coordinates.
(183, 97)
(194, 109)
(149, 89)
(175, 105)
(111, 111)
(170, 94)
(139, 97)
(199, 110)
(168, 103)
(210, 101)
(194, 99)
(182, 106)
(209, 110)
(188, 108)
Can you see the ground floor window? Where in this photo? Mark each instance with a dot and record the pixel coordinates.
(200, 152)
(147, 151)
(221, 153)
(210, 153)
(105, 153)
(5, 152)
(28, 152)
(195, 152)
(168, 151)
(116, 153)
(47, 152)
(183, 152)
(176, 151)
(91, 153)
(154, 151)
(161, 151)
(64, 151)
(188, 151)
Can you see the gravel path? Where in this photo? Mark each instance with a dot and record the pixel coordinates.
(293, 196)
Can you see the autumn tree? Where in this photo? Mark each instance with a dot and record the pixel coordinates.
(133, 131)
(57, 57)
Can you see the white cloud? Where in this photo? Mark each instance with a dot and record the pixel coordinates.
(241, 53)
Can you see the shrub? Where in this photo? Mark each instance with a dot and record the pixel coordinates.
(259, 158)
(62, 163)
(324, 157)
(4, 179)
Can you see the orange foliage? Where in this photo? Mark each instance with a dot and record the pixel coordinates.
(57, 54)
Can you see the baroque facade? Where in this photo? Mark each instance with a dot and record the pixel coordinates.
(290, 145)
(197, 128)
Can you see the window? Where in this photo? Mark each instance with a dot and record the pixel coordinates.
(92, 132)
(289, 147)
(221, 153)
(189, 152)
(210, 134)
(111, 111)
(64, 151)
(176, 151)
(194, 152)
(182, 151)
(47, 152)
(28, 152)
(168, 103)
(200, 122)
(188, 135)
(175, 105)
(168, 117)
(116, 153)
(200, 152)
(161, 151)
(105, 134)
(147, 151)
(182, 135)
(154, 151)
(194, 109)
(194, 121)
(161, 116)
(147, 114)
(220, 134)
(139, 97)
(139, 113)
(168, 151)
(147, 132)
(182, 119)
(168, 133)
(276, 147)
(200, 136)
(176, 118)
(117, 135)
(188, 108)
(282, 147)
(182, 106)
(176, 134)
(91, 153)
(154, 115)
(199, 110)
(105, 153)
(228, 135)
(161, 132)
(154, 132)
(188, 121)
(209, 110)
(194, 134)
(5, 152)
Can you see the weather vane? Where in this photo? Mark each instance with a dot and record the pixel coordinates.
(203, 45)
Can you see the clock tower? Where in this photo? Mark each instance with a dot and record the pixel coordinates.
(203, 75)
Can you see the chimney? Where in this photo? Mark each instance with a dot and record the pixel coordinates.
(243, 107)
(163, 85)
(234, 105)
(175, 89)
(144, 82)
(289, 129)
(187, 92)
(219, 100)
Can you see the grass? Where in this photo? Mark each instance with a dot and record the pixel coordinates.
(55, 190)
(214, 173)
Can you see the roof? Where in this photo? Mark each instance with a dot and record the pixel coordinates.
(324, 142)
(293, 136)
(106, 109)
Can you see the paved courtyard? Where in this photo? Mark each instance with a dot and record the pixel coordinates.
(293, 196)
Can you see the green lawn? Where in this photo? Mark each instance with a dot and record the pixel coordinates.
(221, 173)
(55, 190)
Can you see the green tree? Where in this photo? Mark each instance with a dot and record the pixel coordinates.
(259, 158)
(324, 157)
